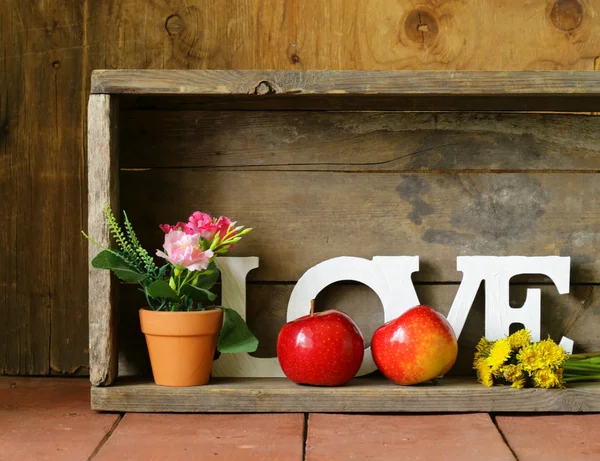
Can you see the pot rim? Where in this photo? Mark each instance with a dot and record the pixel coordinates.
(208, 311)
(194, 323)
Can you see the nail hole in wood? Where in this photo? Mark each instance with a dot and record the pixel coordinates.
(264, 87)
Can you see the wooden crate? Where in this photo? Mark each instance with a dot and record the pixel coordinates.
(333, 163)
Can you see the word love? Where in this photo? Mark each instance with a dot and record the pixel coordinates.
(390, 278)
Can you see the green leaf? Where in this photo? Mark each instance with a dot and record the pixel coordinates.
(198, 294)
(161, 289)
(208, 278)
(235, 335)
(162, 271)
(106, 259)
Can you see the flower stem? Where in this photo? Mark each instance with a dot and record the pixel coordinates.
(581, 366)
(185, 280)
(572, 379)
(585, 355)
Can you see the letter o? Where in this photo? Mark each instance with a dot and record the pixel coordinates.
(387, 276)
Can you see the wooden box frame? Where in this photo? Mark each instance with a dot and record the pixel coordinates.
(535, 91)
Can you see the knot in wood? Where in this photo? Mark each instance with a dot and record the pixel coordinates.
(421, 27)
(264, 87)
(174, 24)
(566, 14)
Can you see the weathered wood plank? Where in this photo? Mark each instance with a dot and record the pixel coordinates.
(344, 102)
(399, 82)
(64, 190)
(11, 189)
(260, 395)
(358, 141)
(43, 279)
(343, 34)
(574, 315)
(351, 34)
(302, 218)
(103, 189)
(197, 34)
(45, 43)
(355, 90)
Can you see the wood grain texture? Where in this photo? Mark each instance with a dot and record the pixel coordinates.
(259, 395)
(573, 315)
(569, 91)
(361, 90)
(369, 102)
(437, 216)
(43, 281)
(103, 189)
(445, 83)
(430, 34)
(48, 50)
(191, 34)
(360, 141)
(343, 34)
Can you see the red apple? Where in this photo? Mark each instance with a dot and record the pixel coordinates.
(416, 347)
(322, 349)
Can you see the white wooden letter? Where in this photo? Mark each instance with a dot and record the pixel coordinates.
(463, 301)
(388, 276)
(497, 271)
(233, 293)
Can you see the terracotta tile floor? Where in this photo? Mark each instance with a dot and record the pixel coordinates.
(49, 419)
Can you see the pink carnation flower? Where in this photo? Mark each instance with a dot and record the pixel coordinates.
(203, 224)
(223, 225)
(184, 250)
(166, 228)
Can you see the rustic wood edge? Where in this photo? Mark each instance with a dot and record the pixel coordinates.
(340, 82)
(103, 173)
(368, 395)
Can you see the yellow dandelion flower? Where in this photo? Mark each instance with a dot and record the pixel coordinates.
(512, 373)
(482, 348)
(519, 383)
(530, 358)
(499, 353)
(498, 373)
(546, 378)
(519, 339)
(543, 378)
(551, 354)
(484, 373)
(559, 376)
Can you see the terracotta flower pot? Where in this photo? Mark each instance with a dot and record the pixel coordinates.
(181, 345)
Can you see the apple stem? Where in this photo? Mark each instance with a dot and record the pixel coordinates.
(312, 307)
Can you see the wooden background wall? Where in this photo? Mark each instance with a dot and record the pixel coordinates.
(48, 49)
